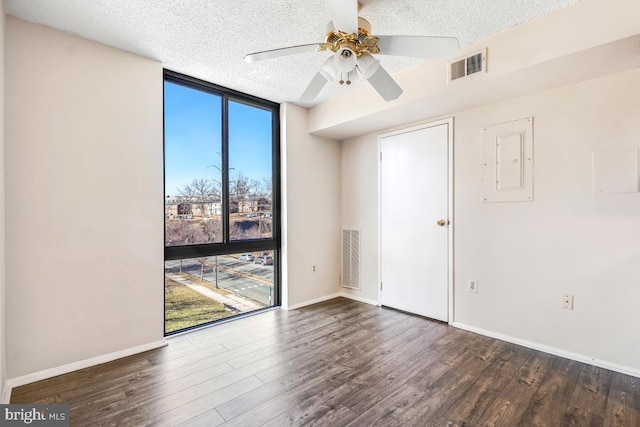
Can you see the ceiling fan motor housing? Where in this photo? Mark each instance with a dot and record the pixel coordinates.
(359, 43)
(364, 26)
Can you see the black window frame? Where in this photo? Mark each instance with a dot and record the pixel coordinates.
(228, 246)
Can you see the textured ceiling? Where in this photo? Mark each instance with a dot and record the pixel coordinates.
(208, 38)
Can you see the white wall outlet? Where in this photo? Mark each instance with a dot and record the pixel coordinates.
(567, 302)
(472, 286)
(314, 269)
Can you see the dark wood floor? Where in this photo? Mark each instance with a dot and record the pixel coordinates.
(341, 363)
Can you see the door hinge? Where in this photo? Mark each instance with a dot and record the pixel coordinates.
(380, 285)
(381, 156)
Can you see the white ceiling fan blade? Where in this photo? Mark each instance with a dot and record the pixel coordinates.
(275, 53)
(417, 46)
(314, 88)
(384, 84)
(344, 15)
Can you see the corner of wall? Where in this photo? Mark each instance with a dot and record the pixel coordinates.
(359, 203)
(311, 211)
(284, 216)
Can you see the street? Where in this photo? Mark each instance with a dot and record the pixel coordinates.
(253, 281)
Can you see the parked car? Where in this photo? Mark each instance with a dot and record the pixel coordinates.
(264, 260)
(246, 257)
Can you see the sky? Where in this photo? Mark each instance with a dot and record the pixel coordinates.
(193, 135)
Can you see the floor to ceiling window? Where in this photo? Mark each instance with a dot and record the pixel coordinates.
(222, 216)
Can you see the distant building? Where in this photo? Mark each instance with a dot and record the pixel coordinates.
(179, 208)
(183, 208)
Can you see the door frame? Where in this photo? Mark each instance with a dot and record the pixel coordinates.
(450, 276)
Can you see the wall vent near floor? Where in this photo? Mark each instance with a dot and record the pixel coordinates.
(472, 64)
(351, 259)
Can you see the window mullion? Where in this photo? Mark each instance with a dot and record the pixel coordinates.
(225, 169)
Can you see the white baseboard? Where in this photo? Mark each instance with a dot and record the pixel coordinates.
(359, 299)
(310, 302)
(331, 296)
(81, 364)
(551, 350)
(5, 399)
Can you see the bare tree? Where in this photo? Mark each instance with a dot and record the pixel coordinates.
(255, 190)
(202, 262)
(267, 187)
(201, 192)
(241, 187)
(266, 195)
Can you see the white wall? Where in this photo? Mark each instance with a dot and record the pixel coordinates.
(83, 199)
(311, 211)
(3, 364)
(359, 202)
(526, 255)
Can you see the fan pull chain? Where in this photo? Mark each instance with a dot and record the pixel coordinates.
(348, 82)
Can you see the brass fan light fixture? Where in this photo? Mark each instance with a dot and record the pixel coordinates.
(349, 39)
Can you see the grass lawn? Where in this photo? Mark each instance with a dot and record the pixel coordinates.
(185, 307)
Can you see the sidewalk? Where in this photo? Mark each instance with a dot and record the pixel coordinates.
(231, 301)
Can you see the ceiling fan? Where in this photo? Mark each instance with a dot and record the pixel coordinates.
(349, 38)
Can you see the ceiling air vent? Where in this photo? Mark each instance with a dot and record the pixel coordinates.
(472, 64)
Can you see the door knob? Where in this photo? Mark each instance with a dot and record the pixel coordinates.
(442, 222)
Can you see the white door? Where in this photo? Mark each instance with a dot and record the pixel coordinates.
(414, 218)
